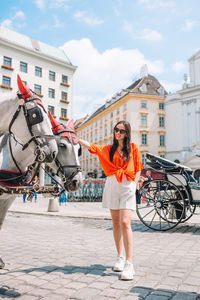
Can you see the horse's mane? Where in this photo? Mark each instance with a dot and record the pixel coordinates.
(4, 141)
(7, 96)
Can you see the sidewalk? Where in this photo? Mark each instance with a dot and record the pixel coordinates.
(91, 210)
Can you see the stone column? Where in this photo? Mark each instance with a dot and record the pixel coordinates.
(41, 174)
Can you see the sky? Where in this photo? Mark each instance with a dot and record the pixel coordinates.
(110, 40)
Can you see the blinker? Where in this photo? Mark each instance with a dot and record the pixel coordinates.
(34, 115)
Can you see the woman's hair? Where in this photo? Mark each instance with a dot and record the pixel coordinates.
(126, 141)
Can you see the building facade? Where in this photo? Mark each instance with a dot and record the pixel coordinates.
(46, 69)
(142, 104)
(183, 116)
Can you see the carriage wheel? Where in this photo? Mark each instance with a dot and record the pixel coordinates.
(160, 205)
(189, 211)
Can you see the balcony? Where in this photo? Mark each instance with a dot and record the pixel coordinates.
(3, 86)
(65, 84)
(7, 67)
(64, 118)
(64, 101)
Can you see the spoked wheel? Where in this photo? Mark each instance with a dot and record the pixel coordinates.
(160, 205)
(189, 212)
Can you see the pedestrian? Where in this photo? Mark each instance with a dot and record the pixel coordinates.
(122, 165)
(63, 198)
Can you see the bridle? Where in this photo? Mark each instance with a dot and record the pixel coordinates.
(77, 168)
(33, 116)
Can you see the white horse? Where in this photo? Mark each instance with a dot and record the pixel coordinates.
(15, 159)
(25, 117)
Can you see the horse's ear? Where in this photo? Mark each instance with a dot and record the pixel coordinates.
(54, 123)
(24, 90)
(70, 124)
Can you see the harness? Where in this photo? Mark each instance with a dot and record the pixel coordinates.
(33, 116)
(77, 168)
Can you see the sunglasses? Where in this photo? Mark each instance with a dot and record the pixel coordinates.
(122, 131)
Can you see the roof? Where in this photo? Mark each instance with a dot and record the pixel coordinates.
(148, 85)
(31, 44)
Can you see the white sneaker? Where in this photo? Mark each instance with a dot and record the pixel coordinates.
(128, 271)
(119, 265)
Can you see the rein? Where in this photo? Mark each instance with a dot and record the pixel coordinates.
(77, 168)
(33, 116)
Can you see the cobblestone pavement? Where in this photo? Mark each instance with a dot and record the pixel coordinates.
(58, 258)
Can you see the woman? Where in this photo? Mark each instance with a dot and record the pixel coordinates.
(122, 165)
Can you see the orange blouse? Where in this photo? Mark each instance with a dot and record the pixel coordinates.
(118, 166)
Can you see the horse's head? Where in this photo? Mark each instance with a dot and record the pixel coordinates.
(37, 133)
(67, 165)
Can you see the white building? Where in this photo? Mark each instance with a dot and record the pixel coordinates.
(183, 116)
(46, 69)
(141, 104)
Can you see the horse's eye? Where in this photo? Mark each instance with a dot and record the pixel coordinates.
(62, 145)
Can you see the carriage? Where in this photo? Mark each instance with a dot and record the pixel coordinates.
(169, 198)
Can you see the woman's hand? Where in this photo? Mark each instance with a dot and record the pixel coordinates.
(84, 143)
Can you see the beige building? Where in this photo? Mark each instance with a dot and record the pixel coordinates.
(142, 104)
(46, 69)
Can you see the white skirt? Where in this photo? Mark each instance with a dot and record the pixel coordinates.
(119, 195)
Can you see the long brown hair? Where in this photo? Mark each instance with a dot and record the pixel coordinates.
(126, 141)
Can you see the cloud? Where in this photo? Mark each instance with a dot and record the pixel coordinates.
(59, 4)
(14, 21)
(100, 75)
(83, 17)
(7, 23)
(19, 15)
(188, 26)
(178, 66)
(57, 23)
(145, 34)
(40, 4)
(153, 4)
(171, 87)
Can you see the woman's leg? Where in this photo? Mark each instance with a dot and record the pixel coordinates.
(117, 232)
(125, 221)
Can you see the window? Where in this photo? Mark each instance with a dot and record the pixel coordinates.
(144, 159)
(63, 113)
(161, 105)
(161, 121)
(51, 109)
(7, 61)
(51, 93)
(64, 79)
(64, 95)
(162, 155)
(124, 106)
(23, 67)
(105, 131)
(111, 128)
(144, 139)
(6, 81)
(144, 104)
(144, 120)
(52, 75)
(111, 114)
(24, 82)
(38, 71)
(162, 140)
(37, 89)
(118, 110)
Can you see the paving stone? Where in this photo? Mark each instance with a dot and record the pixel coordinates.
(76, 285)
(114, 293)
(85, 293)
(99, 285)
(157, 297)
(185, 296)
(141, 291)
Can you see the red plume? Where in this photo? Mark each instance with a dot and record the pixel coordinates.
(24, 90)
(70, 124)
(55, 124)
